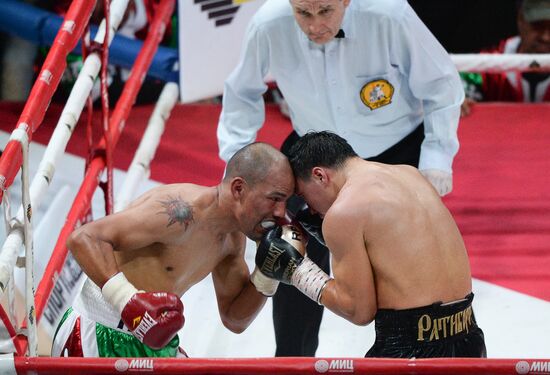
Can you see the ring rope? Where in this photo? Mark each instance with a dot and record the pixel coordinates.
(108, 184)
(495, 62)
(244, 366)
(21, 136)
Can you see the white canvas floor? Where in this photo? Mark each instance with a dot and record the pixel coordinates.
(515, 325)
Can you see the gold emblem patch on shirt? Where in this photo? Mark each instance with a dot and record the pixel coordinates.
(376, 94)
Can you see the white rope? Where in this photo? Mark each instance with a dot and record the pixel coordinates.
(139, 168)
(20, 135)
(496, 62)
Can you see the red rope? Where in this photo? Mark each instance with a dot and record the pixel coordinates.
(454, 366)
(106, 186)
(89, 101)
(10, 329)
(89, 114)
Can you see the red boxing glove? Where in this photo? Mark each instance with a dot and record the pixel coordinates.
(154, 318)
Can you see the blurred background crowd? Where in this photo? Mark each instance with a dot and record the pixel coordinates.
(466, 26)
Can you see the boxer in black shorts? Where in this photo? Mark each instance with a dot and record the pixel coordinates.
(395, 251)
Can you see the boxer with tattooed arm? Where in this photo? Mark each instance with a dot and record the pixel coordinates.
(140, 261)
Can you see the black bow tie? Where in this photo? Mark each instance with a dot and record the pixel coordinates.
(340, 34)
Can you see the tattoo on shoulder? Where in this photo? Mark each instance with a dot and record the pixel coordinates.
(178, 211)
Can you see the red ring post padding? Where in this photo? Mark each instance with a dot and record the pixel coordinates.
(455, 366)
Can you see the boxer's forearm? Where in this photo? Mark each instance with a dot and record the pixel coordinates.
(243, 309)
(346, 305)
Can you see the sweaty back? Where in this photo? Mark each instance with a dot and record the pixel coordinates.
(411, 238)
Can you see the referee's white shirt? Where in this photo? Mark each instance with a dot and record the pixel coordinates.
(384, 41)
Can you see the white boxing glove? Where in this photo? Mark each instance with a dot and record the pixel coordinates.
(263, 284)
(442, 181)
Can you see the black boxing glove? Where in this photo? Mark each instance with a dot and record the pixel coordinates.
(312, 223)
(279, 252)
(280, 256)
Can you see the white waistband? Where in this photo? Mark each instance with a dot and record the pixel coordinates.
(91, 304)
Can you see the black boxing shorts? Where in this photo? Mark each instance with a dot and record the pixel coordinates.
(437, 330)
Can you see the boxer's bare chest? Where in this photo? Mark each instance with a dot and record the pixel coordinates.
(177, 265)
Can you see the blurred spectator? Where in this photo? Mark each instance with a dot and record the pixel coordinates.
(16, 66)
(533, 20)
(468, 26)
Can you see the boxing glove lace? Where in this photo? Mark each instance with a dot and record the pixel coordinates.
(263, 284)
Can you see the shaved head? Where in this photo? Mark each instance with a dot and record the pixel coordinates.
(258, 181)
(254, 162)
